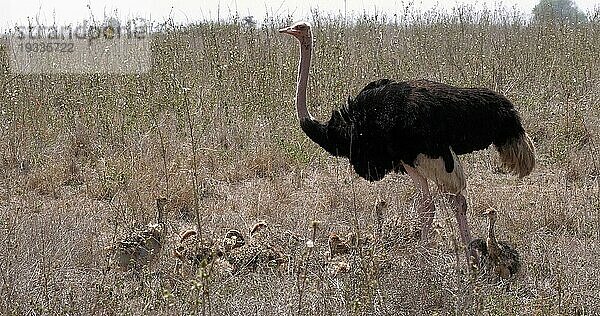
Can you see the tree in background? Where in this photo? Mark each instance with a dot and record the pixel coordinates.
(562, 11)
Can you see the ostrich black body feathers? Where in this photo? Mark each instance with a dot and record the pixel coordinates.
(390, 123)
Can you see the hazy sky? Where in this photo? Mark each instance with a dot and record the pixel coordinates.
(190, 10)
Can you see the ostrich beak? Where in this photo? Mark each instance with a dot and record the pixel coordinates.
(288, 30)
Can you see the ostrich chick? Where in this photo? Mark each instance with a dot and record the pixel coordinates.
(256, 253)
(142, 246)
(233, 239)
(337, 246)
(191, 254)
(497, 257)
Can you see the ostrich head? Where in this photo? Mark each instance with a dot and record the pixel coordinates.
(187, 234)
(260, 233)
(491, 215)
(161, 202)
(334, 239)
(180, 251)
(233, 239)
(380, 207)
(300, 30)
(258, 227)
(337, 246)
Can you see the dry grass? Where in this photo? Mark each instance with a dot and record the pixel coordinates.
(82, 158)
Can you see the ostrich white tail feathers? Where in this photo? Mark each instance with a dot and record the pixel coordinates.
(518, 155)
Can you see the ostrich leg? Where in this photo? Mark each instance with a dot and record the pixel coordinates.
(426, 206)
(459, 204)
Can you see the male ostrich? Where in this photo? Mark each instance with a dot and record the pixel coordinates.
(416, 127)
(496, 257)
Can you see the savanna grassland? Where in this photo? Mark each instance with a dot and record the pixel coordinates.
(212, 127)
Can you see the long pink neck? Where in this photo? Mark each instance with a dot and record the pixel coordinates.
(303, 69)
